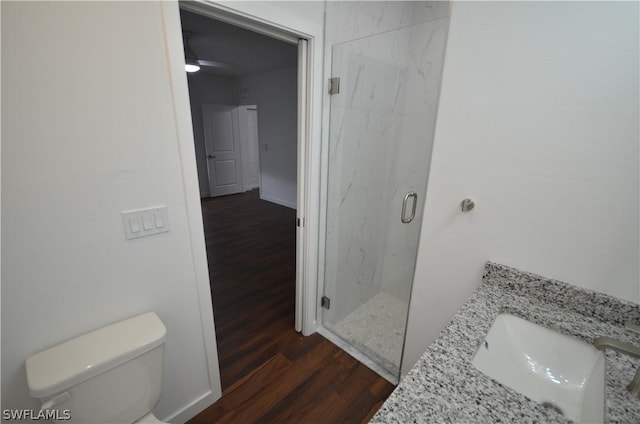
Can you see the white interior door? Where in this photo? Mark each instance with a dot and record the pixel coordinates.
(222, 143)
(248, 128)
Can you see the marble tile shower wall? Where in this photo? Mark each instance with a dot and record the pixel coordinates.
(389, 87)
(347, 21)
(363, 129)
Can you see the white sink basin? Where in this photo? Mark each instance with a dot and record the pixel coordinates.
(548, 367)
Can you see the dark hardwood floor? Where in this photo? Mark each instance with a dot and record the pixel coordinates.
(269, 372)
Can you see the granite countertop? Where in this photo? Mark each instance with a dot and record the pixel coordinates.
(444, 387)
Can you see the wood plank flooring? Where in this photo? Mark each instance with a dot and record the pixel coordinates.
(270, 373)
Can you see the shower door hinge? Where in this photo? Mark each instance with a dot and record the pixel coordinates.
(300, 222)
(334, 85)
(325, 302)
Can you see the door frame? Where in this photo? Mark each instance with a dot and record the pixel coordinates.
(268, 19)
(245, 142)
(308, 163)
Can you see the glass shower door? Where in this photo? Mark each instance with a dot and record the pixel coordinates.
(380, 137)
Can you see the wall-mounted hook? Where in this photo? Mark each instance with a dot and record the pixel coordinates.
(467, 205)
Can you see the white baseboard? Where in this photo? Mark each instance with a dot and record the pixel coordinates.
(278, 201)
(194, 408)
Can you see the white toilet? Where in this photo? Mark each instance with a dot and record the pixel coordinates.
(110, 375)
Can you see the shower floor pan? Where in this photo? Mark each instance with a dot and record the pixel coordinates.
(377, 330)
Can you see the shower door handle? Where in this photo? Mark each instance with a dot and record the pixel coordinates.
(407, 196)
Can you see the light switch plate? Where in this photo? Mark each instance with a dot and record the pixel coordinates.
(145, 222)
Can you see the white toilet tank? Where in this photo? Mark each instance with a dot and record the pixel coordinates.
(110, 375)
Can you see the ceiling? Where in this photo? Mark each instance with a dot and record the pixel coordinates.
(248, 51)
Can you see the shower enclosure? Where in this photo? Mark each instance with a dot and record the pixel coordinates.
(380, 136)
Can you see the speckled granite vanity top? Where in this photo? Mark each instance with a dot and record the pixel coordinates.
(444, 387)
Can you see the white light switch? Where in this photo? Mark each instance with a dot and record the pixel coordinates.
(159, 220)
(145, 222)
(134, 224)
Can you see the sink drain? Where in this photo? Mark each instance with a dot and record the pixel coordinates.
(551, 405)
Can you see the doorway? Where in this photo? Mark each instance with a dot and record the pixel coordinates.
(250, 232)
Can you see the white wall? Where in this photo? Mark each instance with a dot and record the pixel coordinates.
(275, 94)
(207, 88)
(538, 123)
(103, 136)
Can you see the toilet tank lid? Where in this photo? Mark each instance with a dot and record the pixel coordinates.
(76, 360)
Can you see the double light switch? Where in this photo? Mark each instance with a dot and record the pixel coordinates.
(145, 222)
